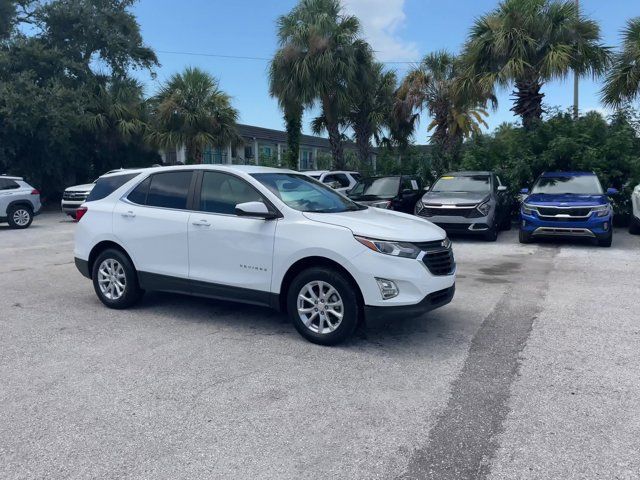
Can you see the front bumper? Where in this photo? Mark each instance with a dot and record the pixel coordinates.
(70, 207)
(83, 267)
(460, 224)
(430, 302)
(593, 227)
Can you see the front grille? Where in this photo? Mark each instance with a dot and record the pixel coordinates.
(75, 195)
(438, 260)
(573, 212)
(449, 212)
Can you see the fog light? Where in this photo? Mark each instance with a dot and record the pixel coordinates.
(605, 225)
(524, 223)
(388, 288)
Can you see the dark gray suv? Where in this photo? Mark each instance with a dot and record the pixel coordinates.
(467, 202)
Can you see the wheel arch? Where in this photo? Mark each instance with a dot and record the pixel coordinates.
(309, 262)
(23, 202)
(100, 247)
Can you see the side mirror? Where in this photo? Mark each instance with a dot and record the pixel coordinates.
(612, 191)
(254, 209)
(524, 191)
(427, 188)
(502, 188)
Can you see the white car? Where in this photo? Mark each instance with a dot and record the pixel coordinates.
(634, 226)
(341, 181)
(263, 236)
(75, 196)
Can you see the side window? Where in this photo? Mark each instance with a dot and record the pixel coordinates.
(105, 186)
(6, 184)
(342, 179)
(169, 190)
(139, 194)
(221, 193)
(410, 184)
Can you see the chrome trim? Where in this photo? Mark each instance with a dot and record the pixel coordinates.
(477, 229)
(452, 206)
(560, 231)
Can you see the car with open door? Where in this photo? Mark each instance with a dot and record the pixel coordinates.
(263, 236)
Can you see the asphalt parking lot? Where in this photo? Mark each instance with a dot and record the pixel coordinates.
(533, 372)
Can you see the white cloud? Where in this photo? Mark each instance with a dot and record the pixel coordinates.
(381, 21)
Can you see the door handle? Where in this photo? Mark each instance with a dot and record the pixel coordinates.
(202, 223)
(129, 214)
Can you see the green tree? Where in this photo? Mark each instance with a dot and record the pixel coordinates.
(322, 42)
(622, 82)
(192, 110)
(529, 42)
(456, 114)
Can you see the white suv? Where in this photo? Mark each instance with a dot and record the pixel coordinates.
(634, 226)
(19, 202)
(341, 181)
(263, 236)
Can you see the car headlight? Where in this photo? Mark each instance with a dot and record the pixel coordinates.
(382, 204)
(419, 206)
(528, 209)
(601, 210)
(484, 208)
(395, 249)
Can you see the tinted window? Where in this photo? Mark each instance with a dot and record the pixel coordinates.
(463, 183)
(377, 187)
(222, 192)
(6, 184)
(169, 190)
(410, 184)
(304, 194)
(139, 194)
(582, 185)
(341, 178)
(107, 185)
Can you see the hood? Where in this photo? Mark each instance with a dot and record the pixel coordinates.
(454, 198)
(382, 225)
(573, 200)
(81, 188)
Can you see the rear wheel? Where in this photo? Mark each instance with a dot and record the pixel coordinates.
(524, 237)
(506, 223)
(323, 305)
(115, 280)
(634, 226)
(20, 216)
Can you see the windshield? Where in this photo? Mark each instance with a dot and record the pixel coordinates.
(579, 185)
(467, 183)
(305, 194)
(377, 187)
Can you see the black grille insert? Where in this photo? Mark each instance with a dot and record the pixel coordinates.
(438, 260)
(574, 212)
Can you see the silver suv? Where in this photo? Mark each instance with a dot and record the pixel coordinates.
(75, 196)
(19, 202)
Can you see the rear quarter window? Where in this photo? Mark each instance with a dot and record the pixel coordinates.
(7, 184)
(107, 185)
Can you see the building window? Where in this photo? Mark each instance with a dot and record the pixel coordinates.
(171, 157)
(306, 160)
(266, 152)
(248, 151)
(214, 155)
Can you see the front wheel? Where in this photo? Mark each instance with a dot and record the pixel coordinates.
(115, 280)
(20, 216)
(323, 305)
(491, 235)
(606, 241)
(524, 237)
(634, 226)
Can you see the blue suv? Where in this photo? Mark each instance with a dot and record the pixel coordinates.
(567, 204)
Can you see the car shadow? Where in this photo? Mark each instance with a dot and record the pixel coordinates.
(241, 319)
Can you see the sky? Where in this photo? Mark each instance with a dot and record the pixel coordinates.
(400, 31)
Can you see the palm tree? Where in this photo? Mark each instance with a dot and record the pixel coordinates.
(528, 43)
(321, 42)
(623, 80)
(293, 96)
(456, 113)
(191, 110)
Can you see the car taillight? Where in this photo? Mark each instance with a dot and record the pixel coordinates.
(35, 192)
(80, 213)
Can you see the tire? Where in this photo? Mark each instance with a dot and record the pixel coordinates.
(491, 235)
(506, 224)
(308, 283)
(107, 289)
(605, 241)
(20, 216)
(634, 226)
(524, 237)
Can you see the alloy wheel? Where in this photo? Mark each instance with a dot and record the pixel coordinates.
(320, 307)
(21, 217)
(112, 279)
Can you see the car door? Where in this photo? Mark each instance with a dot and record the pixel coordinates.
(409, 193)
(230, 256)
(151, 223)
(502, 200)
(7, 189)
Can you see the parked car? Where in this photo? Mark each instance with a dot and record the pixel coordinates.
(469, 203)
(568, 204)
(634, 226)
(263, 236)
(75, 196)
(19, 202)
(395, 192)
(342, 181)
